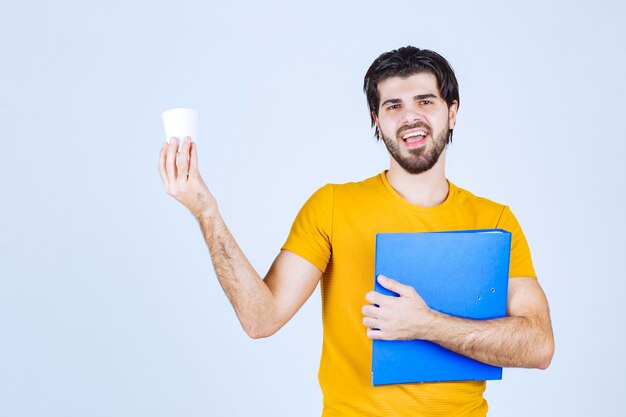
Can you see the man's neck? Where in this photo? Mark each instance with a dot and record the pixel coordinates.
(428, 189)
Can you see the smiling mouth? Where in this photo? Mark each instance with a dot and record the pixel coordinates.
(415, 137)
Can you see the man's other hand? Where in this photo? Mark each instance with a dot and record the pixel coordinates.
(405, 317)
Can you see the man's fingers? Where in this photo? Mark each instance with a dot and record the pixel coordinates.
(377, 298)
(161, 165)
(370, 311)
(182, 160)
(170, 160)
(375, 334)
(395, 286)
(370, 322)
(193, 162)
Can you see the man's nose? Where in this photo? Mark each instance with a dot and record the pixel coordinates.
(411, 115)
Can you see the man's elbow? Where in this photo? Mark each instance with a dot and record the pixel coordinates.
(545, 354)
(544, 344)
(260, 332)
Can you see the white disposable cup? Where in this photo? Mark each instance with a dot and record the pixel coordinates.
(180, 123)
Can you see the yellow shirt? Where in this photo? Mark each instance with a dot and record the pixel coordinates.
(335, 230)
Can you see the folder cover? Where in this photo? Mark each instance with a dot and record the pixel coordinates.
(460, 273)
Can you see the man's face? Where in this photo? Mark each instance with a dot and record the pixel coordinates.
(414, 120)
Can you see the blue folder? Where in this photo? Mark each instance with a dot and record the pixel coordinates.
(460, 273)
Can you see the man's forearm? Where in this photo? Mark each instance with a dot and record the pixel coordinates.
(522, 339)
(508, 342)
(251, 298)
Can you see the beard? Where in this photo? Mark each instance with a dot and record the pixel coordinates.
(421, 159)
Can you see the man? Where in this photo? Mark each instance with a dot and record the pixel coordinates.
(413, 99)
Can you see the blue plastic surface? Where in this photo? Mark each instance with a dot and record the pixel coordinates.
(461, 273)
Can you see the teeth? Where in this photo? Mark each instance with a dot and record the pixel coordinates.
(410, 135)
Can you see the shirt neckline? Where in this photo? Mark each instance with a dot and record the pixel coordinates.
(415, 208)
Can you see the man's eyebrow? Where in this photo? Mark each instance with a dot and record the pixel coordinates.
(417, 97)
(391, 101)
(423, 96)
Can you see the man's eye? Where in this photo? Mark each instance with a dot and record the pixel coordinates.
(393, 107)
(425, 102)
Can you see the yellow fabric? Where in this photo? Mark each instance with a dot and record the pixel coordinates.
(335, 230)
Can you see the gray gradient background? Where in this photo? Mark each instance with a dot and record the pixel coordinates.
(108, 302)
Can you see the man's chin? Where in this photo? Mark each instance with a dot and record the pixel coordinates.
(419, 164)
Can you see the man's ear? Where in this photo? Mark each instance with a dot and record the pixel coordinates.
(452, 114)
(379, 132)
(375, 120)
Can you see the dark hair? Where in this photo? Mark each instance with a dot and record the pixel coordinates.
(404, 62)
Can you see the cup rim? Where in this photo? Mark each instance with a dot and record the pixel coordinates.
(179, 109)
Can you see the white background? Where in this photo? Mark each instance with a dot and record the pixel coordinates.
(108, 302)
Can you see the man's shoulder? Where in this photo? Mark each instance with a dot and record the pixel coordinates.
(368, 188)
(333, 190)
(466, 197)
(371, 183)
(358, 184)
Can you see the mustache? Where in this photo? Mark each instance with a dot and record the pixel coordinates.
(413, 126)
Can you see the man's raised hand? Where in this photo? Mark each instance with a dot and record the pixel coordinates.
(182, 180)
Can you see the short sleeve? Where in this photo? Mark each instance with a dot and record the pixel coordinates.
(310, 235)
(521, 262)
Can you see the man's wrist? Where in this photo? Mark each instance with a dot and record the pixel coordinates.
(207, 214)
(433, 325)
